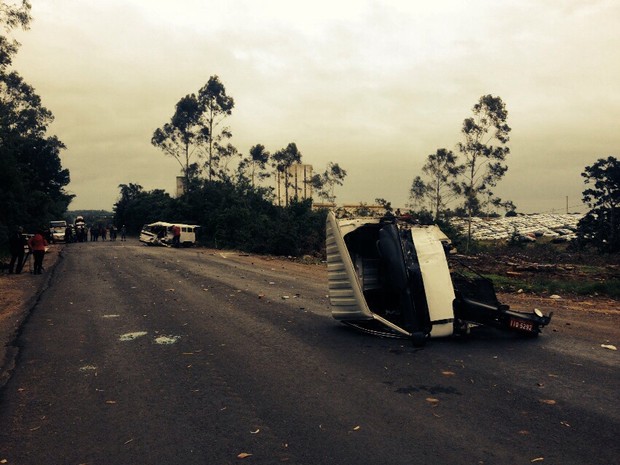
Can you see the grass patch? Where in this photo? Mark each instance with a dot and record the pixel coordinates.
(608, 287)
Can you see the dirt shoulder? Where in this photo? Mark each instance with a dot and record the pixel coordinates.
(18, 295)
(588, 317)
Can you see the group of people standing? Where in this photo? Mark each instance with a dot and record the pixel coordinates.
(102, 232)
(22, 245)
(82, 234)
(35, 245)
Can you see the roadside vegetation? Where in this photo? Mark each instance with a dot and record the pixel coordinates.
(232, 216)
(545, 268)
(582, 284)
(32, 180)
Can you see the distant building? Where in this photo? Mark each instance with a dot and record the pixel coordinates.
(297, 185)
(180, 186)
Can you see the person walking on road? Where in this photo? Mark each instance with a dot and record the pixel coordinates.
(16, 244)
(123, 233)
(37, 245)
(68, 235)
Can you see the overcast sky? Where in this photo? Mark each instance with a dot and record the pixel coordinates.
(375, 86)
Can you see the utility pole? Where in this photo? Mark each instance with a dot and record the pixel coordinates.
(567, 204)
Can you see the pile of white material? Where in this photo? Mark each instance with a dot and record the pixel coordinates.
(543, 224)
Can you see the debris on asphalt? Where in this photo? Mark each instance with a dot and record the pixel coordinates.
(166, 340)
(548, 401)
(132, 336)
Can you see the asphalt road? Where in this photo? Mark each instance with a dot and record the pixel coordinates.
(140, 355)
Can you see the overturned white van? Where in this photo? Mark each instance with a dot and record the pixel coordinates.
(160, 233)
(392, 278)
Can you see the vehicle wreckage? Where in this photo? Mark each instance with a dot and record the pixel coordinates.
(160, 233)
(392, 278)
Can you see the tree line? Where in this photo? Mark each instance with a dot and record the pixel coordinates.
(198, 139)
(600, 227)
(230, 215)
(32, 179)
(226, 192)
(472, 173)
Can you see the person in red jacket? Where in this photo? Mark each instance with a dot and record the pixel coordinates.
(37, 245)
(176, 236)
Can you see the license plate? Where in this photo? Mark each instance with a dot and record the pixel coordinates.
(521, 325)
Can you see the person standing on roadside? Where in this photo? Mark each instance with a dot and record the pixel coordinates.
(37, 245)
(176, 236)
(16, 244)
(123, 233)
(68, 235)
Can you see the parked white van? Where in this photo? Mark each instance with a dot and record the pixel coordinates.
(57, 230)
(160, 233)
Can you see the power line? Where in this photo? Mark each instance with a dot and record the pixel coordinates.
(570, 207)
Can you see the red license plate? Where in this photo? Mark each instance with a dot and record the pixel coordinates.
(521, 325)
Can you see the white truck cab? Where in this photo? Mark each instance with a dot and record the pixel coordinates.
(392, 278)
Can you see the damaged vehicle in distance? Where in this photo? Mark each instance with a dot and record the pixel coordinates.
(160, 233)
(392, 278)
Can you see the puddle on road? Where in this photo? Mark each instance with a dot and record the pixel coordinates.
(165, 340)
(132, 336)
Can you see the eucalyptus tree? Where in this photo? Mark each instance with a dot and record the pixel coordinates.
(215, 106)
(326, 182)
(193, 131)
(15, 15)
(225, 153)
(255, 164)
(442, 169)
(282, 161)
(183, 135)
(418, 193)
(485, 135)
